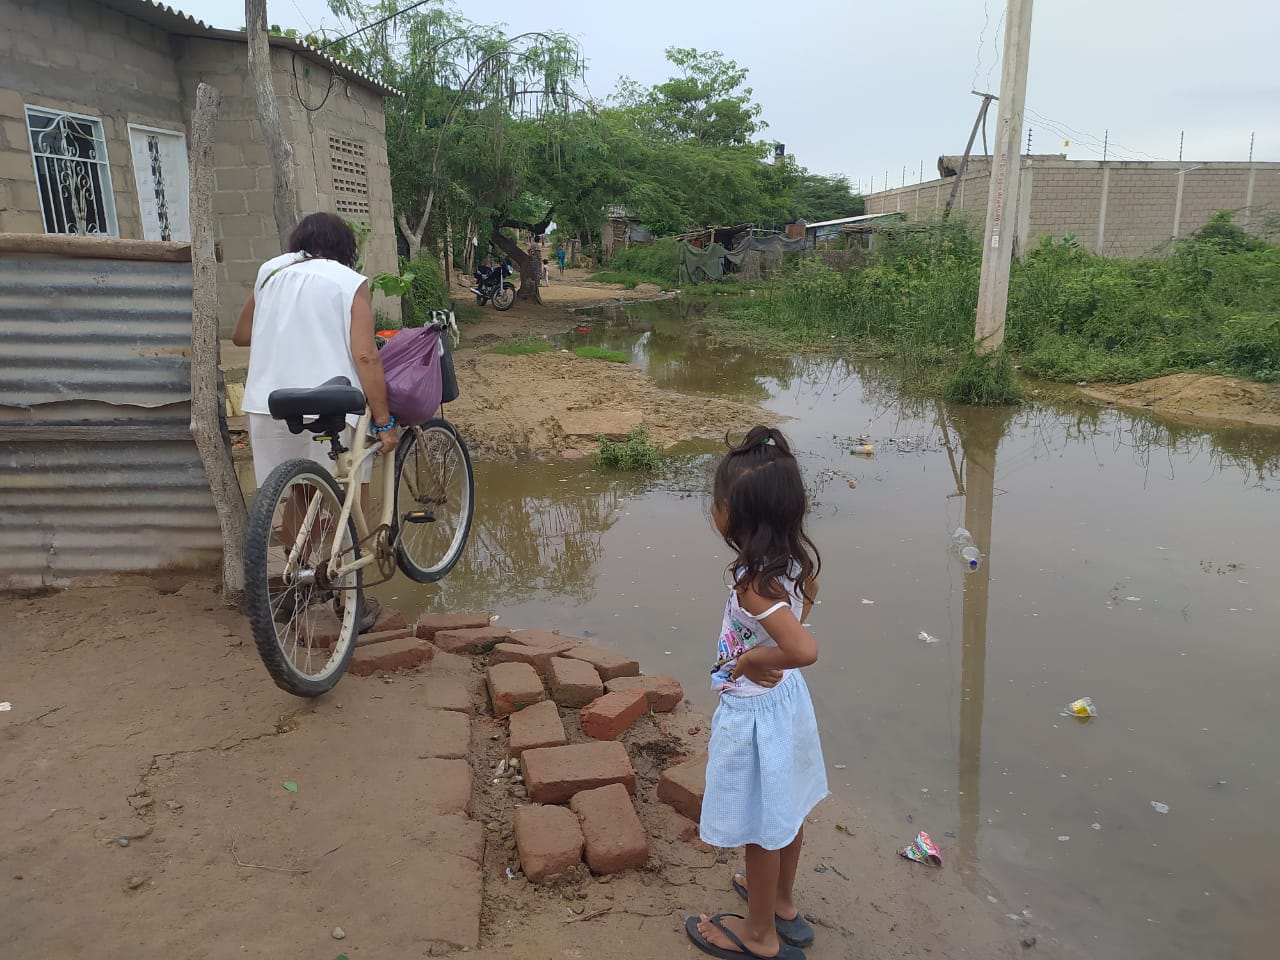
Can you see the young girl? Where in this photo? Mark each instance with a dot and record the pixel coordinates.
(765, 771)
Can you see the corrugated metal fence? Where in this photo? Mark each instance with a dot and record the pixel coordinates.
(98, 471)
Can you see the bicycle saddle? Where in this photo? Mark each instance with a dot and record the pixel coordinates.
(336, 397)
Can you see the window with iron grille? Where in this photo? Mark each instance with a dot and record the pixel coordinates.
(72, 172)
(350, 177)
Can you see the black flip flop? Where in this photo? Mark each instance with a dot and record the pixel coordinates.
(795, 931)
(785, 952)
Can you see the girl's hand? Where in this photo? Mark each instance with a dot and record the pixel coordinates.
(764, 676)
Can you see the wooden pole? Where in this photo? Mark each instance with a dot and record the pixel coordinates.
(997, 247)
(284, 191)
(207, 408)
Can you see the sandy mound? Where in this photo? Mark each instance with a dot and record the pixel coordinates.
(1197, 398)
(550, 403)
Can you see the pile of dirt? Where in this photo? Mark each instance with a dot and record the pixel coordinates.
(1197, 398)
(550, 404)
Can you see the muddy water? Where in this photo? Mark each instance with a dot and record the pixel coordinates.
(1126, 560)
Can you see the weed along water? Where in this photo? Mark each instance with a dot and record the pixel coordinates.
(1120, 557)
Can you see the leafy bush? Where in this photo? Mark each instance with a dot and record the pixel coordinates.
(636, 452)
(427, 290)
(657, 262)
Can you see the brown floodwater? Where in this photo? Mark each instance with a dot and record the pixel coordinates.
(1126, 559)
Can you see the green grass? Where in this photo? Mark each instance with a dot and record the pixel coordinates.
(636, 452)
(523, 347)
(602, 353)
(625, 278)
(657, 263)
(1209, 303)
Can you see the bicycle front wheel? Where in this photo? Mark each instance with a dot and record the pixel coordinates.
(304, 619)
(433, 501)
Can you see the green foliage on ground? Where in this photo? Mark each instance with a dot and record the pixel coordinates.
(602, 353)
(636, 452)
(983, 381)
(522, 347)
(1211, 302)
(657, 263)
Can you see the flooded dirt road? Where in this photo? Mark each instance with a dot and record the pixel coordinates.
(1127, 560)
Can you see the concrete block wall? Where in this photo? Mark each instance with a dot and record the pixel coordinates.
(1066, 196)
(87, 59)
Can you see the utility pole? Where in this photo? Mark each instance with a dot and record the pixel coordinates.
(997, 248)
(981, 121)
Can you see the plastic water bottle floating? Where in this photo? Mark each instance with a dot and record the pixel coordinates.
(965, 547)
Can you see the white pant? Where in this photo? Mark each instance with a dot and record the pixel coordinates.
(273, 444)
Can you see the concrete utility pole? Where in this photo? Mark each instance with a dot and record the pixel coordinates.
(997, 248)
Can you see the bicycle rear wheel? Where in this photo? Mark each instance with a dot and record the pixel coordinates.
(433, 501)
(304, 621)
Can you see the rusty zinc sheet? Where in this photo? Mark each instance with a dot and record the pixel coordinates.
(98, 472)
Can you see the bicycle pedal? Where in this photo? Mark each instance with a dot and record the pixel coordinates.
(419, 516)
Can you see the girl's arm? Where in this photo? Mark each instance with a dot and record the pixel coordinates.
(795, 645)
(811, 594)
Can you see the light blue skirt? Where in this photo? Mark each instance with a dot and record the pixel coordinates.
(765, 771)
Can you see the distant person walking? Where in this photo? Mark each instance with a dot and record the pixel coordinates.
(560, 257)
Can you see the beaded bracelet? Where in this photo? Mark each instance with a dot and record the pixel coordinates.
(387, 426)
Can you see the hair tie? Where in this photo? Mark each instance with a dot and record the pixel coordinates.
(767, 442)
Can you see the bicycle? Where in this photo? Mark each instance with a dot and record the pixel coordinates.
(309, 543)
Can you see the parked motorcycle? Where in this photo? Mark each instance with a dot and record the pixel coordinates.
(492, 284)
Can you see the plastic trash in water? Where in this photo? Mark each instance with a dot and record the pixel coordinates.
(863, 450)
(1082, 708)
(966, 548)
(1159, 807)
(928, 638)
(6, 705)
(922, 850)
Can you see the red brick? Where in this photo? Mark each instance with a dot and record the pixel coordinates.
(513, 686)
(615, 840)
(608, 663)
(429, 624)
(390, 619)
(665, 693)
(536, 657)
(573, 683)
(608, 717)
(535, 726)
(549, 841)
(555, 774)
(382, 636)
(470, 640)
(544, 639)
(403, 654)
(682, 786)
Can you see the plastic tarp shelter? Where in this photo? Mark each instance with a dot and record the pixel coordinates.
(701, 264)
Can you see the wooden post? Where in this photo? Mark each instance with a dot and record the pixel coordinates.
(980, 120)
(207, 408)
(997, 247)
(284, 191)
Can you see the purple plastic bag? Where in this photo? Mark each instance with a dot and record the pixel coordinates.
(411, 362)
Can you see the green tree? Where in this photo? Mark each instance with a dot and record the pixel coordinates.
(814, 198)
(705, 102)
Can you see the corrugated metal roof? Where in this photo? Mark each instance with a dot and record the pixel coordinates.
(175, 21)
(843, 220)
(99, 473)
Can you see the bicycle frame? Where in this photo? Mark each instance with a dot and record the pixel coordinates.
(347, 470)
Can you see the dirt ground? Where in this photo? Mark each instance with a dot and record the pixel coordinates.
(1197, 398)
(140, 711)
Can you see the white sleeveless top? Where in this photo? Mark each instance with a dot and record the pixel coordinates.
(301, 326)
(739, 632)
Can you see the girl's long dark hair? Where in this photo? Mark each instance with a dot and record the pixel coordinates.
(759, 489)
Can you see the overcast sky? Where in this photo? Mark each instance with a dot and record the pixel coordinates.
(866, 89)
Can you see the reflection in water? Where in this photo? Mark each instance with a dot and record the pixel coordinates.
(980, 432)
(537, 532)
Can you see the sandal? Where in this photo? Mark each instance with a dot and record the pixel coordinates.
(795, 931)
(785, 952)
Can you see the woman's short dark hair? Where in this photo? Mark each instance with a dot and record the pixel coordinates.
(325, 236)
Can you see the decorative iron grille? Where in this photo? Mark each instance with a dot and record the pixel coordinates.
(72, 173)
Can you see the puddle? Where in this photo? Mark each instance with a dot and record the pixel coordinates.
(1124, 559)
